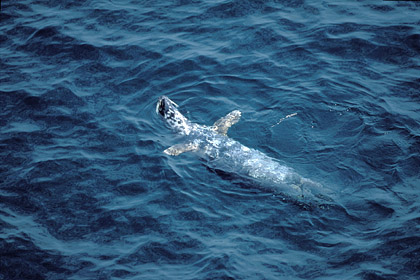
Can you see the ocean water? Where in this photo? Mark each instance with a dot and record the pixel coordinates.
(86, 191)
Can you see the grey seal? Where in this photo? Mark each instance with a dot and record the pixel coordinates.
(212, 144)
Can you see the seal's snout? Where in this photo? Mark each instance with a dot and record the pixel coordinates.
(160, 106)
(165, 106)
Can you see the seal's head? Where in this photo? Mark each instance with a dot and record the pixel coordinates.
(169, 111)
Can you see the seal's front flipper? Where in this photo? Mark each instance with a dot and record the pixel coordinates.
(180, 148)
(222, 125)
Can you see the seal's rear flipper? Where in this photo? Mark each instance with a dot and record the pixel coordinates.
(222, 125)
(180, 148)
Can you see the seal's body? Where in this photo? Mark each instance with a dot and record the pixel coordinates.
(224, 153)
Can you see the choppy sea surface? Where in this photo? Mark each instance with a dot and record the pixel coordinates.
(86, 191)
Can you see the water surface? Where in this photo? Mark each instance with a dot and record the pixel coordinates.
(86, 192)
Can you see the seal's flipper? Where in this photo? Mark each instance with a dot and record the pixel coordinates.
(180, 148)
(222, 125)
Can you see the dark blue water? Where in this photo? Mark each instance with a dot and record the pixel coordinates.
(86, 191)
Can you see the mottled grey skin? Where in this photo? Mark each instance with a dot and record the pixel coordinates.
(224, 153)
